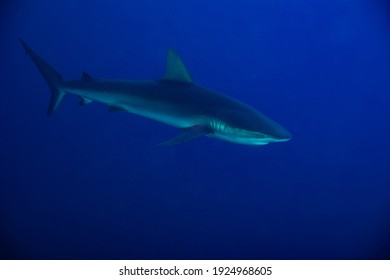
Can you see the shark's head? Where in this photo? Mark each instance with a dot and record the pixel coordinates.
(247, 126)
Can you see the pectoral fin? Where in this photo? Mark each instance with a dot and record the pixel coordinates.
(187, 134)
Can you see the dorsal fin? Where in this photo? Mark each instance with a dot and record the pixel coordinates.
(86, 77)
(176, 70)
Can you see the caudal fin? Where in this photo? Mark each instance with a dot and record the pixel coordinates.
(52, 77)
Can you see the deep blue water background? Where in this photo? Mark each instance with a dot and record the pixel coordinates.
(88, 184)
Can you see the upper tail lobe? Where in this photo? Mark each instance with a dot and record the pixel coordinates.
(52, 77)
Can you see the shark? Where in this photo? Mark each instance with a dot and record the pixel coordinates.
(174, 100)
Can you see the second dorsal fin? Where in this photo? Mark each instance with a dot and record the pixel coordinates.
(176, 70)
(86, 77)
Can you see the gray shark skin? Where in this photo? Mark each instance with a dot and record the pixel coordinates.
(174, 100)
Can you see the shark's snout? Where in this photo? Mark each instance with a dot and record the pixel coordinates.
(280, 134)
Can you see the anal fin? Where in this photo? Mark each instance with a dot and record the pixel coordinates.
(113, 109)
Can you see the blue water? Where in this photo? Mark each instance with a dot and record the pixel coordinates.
(88, 184)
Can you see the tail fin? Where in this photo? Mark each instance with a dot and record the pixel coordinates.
(52, 77)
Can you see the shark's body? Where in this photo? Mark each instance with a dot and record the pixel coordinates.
(174, 100)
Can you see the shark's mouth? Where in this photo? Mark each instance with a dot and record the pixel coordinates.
(241, 136)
